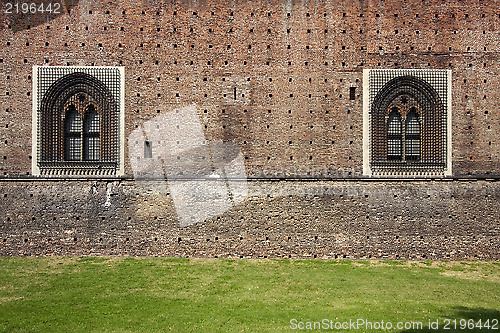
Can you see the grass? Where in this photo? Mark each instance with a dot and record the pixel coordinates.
(110, 294)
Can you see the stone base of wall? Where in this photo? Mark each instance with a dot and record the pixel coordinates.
(440, 219)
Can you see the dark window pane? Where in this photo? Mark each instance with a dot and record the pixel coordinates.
(72, 135)
(394, 136)
(91, 148)
(73, 120)
(92, 120)
(412, 136)
(73, 148)
(91, 135)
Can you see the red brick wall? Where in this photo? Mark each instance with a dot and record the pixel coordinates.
(292, 127)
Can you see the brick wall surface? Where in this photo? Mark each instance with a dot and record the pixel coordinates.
(294, 61)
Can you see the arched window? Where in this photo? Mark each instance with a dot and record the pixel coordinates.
(412, 136)
(91, 133)
(394, 136)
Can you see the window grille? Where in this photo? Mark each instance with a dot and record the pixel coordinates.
(412, 136)
(91, 133)
(73, 135)
(394, 136)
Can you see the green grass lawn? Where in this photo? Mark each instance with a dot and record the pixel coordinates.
(109, 294)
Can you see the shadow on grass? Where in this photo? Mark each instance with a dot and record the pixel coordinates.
(452, 321)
